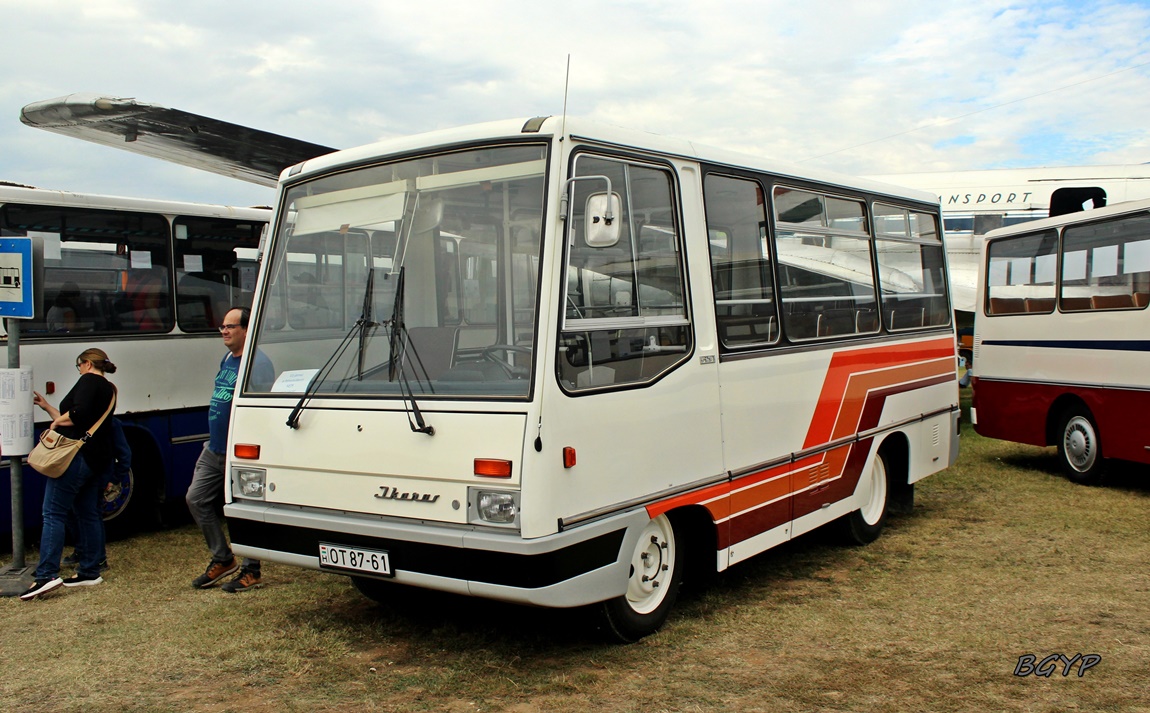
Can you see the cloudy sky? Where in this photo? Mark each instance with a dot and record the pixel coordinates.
(885, 86)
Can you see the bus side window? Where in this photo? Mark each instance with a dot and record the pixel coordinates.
(911, 268)
(1020, 278)
(625, 314)
(746, 313)
(1106, 265)
(214, 259)
(105, 271)
(824, 252)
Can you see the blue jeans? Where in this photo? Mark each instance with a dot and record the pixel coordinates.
(77, 489)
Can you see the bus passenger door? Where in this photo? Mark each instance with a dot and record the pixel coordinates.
(638, 402)
(759, 419)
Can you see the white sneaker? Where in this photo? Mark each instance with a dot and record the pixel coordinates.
(79, 581)
(39, 587)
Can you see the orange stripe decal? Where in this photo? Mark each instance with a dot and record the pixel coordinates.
(856, 386)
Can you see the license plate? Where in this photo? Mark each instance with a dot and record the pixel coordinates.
(354, 558)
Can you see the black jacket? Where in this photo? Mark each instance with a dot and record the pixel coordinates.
(86, 403)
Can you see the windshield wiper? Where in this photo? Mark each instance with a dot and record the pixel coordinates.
(398, 342)
(361, 326)
(366, 317)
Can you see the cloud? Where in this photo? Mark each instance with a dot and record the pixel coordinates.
(880, 87)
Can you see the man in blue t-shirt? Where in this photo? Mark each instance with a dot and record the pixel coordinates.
(206, 493)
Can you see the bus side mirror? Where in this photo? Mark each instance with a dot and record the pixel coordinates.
(428, 215)
(601, 226)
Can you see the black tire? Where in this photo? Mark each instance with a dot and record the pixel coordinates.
(376, 590)
(405, 598)
(1080, 446)
(134, 503)
(863, 526)
(652, 586)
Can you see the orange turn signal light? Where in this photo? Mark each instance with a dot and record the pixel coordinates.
(568, 457)
(247, 451)
(493, 467)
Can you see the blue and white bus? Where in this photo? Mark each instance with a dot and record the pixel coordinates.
(148, 282)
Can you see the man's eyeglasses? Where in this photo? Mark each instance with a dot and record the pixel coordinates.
(229, 327)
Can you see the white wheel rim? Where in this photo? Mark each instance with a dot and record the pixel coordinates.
(1080, 444)
(872, 510)
(652, 564)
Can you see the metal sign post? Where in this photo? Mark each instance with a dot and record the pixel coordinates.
(17, 301)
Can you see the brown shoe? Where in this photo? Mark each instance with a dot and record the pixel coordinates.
(214, 573)
(244, 581)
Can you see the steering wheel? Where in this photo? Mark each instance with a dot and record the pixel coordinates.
(513, 372)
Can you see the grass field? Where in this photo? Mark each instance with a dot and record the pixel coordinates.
(1002, 559)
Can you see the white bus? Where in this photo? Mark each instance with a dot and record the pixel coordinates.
(1060, 337)
(976, 202)
(557, 363)
(148, 282)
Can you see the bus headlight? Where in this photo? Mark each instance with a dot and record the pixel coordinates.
(248, 483)
(498, 507)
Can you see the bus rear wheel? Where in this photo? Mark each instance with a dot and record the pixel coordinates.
(1079, 447)
(132, 504)
(864, 525)
(652, 587)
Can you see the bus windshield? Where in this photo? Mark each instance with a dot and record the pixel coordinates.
(465, 229)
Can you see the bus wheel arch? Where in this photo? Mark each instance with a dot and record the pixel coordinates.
(698, 545)
(656, 573)
(1055, 413)
(137, 504)
(885, 488)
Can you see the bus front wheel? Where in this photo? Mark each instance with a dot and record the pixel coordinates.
(1079, 447)
(653, 585)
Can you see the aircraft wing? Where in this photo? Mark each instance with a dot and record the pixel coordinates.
(173, 135)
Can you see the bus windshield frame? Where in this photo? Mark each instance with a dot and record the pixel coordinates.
(464, 226)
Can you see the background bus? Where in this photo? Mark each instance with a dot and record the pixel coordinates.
(147, 281)
(976, 202)
(1060, 348)
(562, 364)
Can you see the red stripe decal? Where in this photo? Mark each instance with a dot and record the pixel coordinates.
(851, 400)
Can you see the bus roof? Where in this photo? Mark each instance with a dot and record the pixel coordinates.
(1071, 218)
(44, 196)
(603, 134)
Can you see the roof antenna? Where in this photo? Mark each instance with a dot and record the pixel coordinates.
(566, 85)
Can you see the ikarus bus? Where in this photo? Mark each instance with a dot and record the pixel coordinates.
(563, 364)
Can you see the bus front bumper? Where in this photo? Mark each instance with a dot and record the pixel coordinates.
(579, 566)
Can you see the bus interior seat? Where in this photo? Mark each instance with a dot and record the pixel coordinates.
(203, 300)
(1074, 304)
(838, 323)
(1141, 299)
(804, 325)
(1007, 305)
(1112, 301)
(866, 321)
(195, 312)
(1040, 304)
